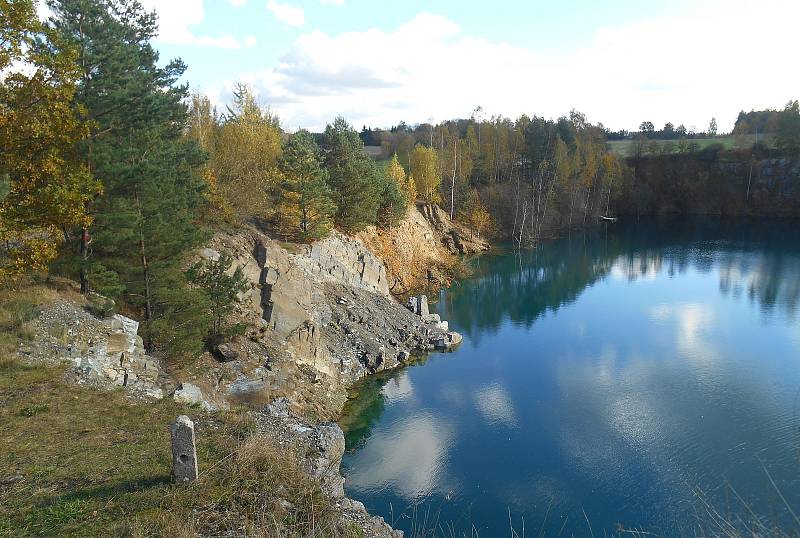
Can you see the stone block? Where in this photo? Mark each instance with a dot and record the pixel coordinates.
(423, 306)
(184, 451)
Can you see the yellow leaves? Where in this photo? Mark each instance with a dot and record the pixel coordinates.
(48, 187)
(396, 173)
(245, 152)
(425, 173)
(289, 216)
(30, 249)
(478, 215)
(17, 21)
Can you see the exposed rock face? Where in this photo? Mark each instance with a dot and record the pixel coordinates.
(324, 446)
(189, 394)
(321, 318)
(342, 260)
(104, 352)
(457, 238)
(422, 249)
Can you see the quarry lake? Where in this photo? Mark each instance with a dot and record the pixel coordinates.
(645, 375)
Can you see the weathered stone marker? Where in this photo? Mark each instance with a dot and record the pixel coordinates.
(423, 306)
(184, 452)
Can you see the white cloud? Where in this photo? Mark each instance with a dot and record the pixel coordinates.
(250, 41)
(410, 458)
(175, 17)
(398, 389)
(494, 404)
(287, 13)
(712, 59)
(693, 322)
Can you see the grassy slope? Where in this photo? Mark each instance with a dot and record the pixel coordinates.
(75, 461)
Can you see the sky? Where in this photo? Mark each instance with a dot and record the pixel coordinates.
(377, 63)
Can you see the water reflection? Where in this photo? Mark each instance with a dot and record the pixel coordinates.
(407, 457)
(756, 257)
(612, 374)
(494, 404)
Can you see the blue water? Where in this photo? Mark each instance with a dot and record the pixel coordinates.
(645, 375)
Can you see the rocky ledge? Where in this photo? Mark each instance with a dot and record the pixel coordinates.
(318, 317)
(106, 353)
(320, 447)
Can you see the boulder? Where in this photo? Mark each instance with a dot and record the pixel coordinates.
(225, 353)
(189, 394)
(210, 254)
(454, 339)
(447, 341)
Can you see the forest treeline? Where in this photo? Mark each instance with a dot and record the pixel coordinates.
(533, 175)
(112, 173)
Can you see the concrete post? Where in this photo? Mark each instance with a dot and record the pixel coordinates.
(184, 452)
(423, 306)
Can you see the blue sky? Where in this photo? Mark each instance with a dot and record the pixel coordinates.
(376, 62)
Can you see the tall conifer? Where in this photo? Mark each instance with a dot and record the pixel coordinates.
(145, 222)
(355, 179)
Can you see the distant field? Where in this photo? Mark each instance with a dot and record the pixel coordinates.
(624, 148)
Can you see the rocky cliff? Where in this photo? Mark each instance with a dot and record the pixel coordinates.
(423, 250)
(319, 317)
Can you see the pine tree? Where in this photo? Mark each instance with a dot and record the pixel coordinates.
(305, 204)
(146, 220)
(221, 287)
(787, 137)
(353, 177)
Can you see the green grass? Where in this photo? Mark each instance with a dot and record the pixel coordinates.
(624, 148)
(75, 461)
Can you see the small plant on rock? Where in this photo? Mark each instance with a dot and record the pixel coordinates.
(221, 286)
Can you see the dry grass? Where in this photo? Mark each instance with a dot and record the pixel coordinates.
(75, 461)
(409, 257)
(258, 490)
(20, 304)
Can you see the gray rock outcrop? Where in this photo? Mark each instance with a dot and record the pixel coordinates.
(189, 394)
(103, 352)
(323, 316)
(325, 445)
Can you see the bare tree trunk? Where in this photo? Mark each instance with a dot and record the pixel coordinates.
(749, 179)
(571, 205)
(608, 199)
(148, 309)
(588, 201)
(544, 214)
(453, 181)
(516, 208)
(85, 242)
(522, 226)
